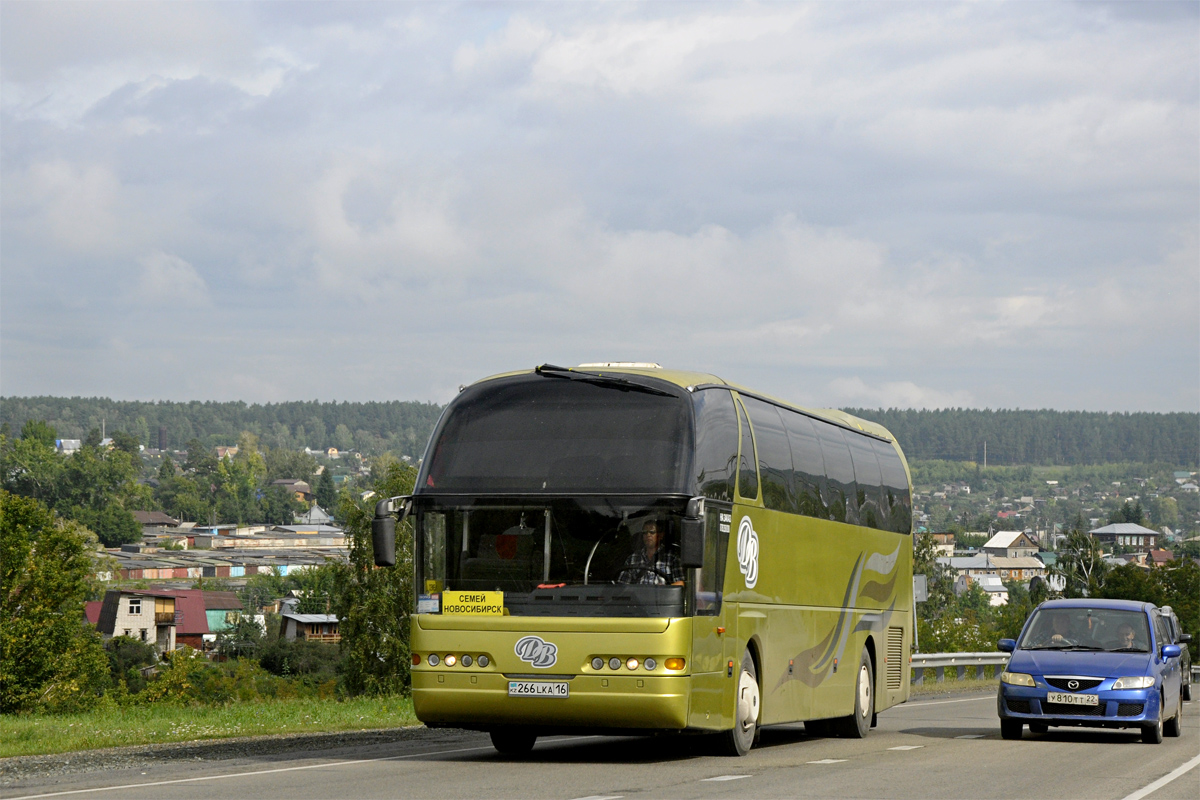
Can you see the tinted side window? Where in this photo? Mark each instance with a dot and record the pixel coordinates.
(774, 455)
(808, 467)
(839, 472)
(747, 471)
(716, 443)
(866, 475)
(895, 488)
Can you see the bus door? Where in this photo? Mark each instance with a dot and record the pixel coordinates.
(714, 626)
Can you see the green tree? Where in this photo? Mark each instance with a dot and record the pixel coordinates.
(279, 506)
(1080, 563)
(49, 657)
(325, 492)
(38, 431)
(374, 603)
(939, 579)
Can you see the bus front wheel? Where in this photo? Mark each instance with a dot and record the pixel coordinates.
(513, 741)
(858, 724)
(739, 740)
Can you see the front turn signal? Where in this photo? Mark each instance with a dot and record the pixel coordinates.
(674, 663)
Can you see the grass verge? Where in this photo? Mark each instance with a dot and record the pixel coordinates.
(31, 734)
(954, 686)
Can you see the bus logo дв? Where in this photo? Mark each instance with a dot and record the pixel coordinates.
(536, 651)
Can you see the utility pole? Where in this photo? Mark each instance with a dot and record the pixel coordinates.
(985, 453)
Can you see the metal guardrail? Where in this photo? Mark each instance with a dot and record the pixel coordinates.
(961, 661)
(957, 661)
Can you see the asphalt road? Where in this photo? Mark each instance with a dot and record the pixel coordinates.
(937, 748)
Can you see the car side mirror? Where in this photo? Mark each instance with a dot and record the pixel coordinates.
(1184, 638)
(692, 551)
(383, 529)
(1006, 645)
(1171, 651)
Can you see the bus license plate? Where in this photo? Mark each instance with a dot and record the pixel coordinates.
(1069, 699)
(538, 689)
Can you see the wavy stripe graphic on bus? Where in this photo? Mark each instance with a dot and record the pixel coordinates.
(814, 665)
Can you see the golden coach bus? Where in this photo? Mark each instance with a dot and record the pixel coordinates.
(619, 548)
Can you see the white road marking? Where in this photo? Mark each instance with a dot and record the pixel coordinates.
(970, 736)
(989, 698)
(601, 797)
(822, 761)
(255, 772)
(907, 747)
(1164, 780)
(725, 778)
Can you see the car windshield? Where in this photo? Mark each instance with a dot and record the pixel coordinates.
(1082, 628)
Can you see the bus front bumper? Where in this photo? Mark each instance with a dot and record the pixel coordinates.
(481, 700)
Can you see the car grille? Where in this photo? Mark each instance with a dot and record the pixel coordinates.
(1018, 706)
(1068, 710)
(1130, 709)
(1081, 684)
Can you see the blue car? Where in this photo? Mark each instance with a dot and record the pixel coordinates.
(1092, 663)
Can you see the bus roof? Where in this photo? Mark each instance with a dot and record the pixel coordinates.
(685, 379)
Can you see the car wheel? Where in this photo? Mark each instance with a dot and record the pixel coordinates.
(858, 724)
(1153, 733)
(1187, 691)
(513, 741)
(1010, 728)
(1174, 726)
(739, 740)
(1038, 727)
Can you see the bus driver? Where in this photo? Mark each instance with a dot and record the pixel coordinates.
(652, 564)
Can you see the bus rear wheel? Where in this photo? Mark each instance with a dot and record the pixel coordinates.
(513, 741)
(739, 740)
(858, 724)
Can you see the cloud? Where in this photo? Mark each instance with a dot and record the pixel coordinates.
(856, 393)
(168, 280)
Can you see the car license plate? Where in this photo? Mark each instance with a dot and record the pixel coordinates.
(538, 689)
(1069, 699)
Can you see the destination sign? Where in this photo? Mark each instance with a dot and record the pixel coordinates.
(475, 603)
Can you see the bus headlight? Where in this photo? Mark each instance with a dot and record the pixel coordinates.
(632, 663)
(466, 661)
(650, 663)
(597, 663)
(1139, 682)
(1016, 679)
(483, 661)
(451, 661)
(614, 663)
(434, 660)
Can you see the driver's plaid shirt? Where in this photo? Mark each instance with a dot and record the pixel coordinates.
(664, 561)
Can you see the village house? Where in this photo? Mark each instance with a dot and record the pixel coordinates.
(1011, 544)
(165, 618)
(310, 627)
(1126, 534)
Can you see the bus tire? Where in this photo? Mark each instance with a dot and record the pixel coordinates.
(738, 740)
(858, 724)
(512, 741)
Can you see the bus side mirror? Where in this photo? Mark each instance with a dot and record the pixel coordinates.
(383, 529)
(692, 551)
(383, 540)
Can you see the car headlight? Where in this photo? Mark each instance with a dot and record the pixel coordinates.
(1139, 682)
(1016, 679)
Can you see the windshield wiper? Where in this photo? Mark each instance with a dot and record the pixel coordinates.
(1129, 650)
(611, 381)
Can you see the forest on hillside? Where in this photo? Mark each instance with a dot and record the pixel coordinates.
(371, 428)
(1012, 437)
(1042, 438)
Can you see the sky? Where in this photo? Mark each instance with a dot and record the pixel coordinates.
(842, 204)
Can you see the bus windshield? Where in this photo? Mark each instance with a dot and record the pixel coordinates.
(536, 434)
(562, 558)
